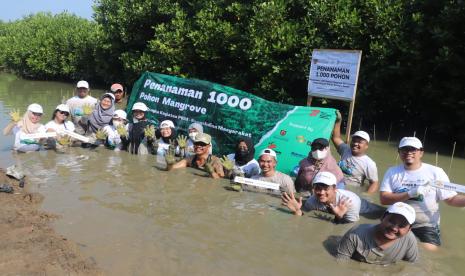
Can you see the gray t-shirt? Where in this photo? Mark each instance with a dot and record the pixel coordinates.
(356, 168)
(352, 213)
(359, 244)
(285, 181)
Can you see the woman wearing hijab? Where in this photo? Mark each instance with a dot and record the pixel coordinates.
(136, 142)
(194, 129)
(244, 162)
(28, 124)
(102, 114)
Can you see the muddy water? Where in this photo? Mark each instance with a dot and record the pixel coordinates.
(135, 219)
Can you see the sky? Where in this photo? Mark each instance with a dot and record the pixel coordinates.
(16, 9)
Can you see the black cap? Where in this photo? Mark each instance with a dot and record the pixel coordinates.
(320, 141)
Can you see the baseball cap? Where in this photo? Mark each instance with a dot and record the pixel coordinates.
(404, 210)
(269, 152)
(203, 138)
(120, 114)
(362, 134)
(82, 84)
(115, 87)
(410, 142)
(140, 106)
(167, 123)
(63, 107)
(109, 95)
(326, 178)
(320, 141)
(36, 108)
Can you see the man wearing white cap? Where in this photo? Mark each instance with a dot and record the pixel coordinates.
(408, 182)
(343, 204)
(76, 104)
(267, 162)
(355, 163)
(384, 243)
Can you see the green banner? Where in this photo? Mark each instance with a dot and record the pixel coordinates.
(228, 114)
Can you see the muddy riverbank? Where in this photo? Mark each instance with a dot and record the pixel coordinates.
(29, 244)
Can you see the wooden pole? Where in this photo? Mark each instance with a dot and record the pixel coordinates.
(349, 121)
(360, 124)
(374, 132)
(415, 133)
(424, 137)
(452, 158)
(309, 100)
(436, 159)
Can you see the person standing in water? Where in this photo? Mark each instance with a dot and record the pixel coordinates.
(120, 96)
(58, 124)
(22, 127)
(116, 130)
(141, 134)
(102, 115)
(81, 105)
(268, 161)
(243, 158)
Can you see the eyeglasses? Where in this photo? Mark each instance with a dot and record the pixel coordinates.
(64, 112)
(36, 114)
(200, 145)
(408, 150)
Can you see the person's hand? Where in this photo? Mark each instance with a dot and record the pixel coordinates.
(227, 163)
(87, 109)
(170, 158)
(15, 115)
(341, 208)
(209, 167)
(291, 203)
(182, 141)
(122, 131)
(149, 132)
(338, 116)
(100, 134)
(64, 140)
(418, 191)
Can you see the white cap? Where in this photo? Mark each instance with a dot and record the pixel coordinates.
(410, 142)
(269, 152)
(326, 178)
(108, 95)
(63, 107)
(140, 106)
(362, 134)
(36, 108)
(120, 114)
(167, 123)
(82, 84)
(404, 210)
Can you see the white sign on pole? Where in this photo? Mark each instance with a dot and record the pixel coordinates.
(334, 74)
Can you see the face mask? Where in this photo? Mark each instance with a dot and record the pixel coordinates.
(192, 135)
(319, 154)
(116, 123)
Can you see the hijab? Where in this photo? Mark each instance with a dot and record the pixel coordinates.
(242, 159)
(101, 117)
(26, 125)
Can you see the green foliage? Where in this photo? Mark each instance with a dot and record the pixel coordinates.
(411, 50)
(46, 46)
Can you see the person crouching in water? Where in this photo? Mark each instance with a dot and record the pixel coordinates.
(268, 162)
(343, 204)
(167, 138)
(202, 159)
(141, 133)
(99, 118)
(58, 124)
(243, 158)
(193, 130)
(28, 124)
(116, 129)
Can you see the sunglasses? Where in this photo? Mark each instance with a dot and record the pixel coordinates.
(64, 112)
(200, 145)
(36, 114)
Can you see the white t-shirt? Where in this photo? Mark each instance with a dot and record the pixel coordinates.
(399, 180)
(250, 169)
(22, 143)
(113, 138)
(75, 104)
(67, 125)
(352, 213)
(356, 168)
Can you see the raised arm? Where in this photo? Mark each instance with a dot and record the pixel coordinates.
(336, 137)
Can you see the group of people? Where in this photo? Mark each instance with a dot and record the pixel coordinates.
(323, 182)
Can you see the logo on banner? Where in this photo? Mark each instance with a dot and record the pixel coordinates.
(282, 132)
